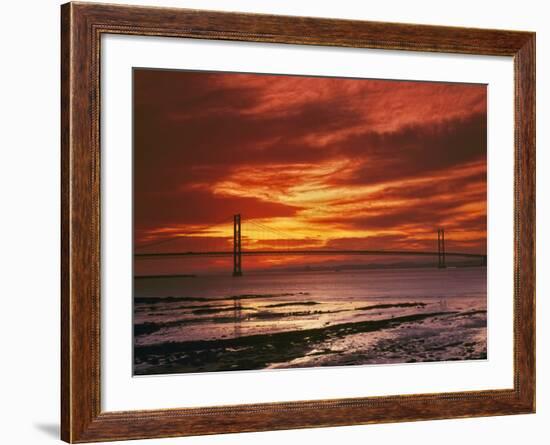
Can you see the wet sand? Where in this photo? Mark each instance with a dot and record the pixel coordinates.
(417, 337)
(308, 323)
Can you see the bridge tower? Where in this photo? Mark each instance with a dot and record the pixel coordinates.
(237, 271)
(441, 249)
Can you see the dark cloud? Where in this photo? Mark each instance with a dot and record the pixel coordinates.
(443, 185)
(430, 214)
(416, 150)
(188, 119)
(192, 207)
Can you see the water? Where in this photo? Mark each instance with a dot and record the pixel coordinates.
(271, 320)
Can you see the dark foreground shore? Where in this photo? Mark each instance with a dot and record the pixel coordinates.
(417, 337)
(294, 320)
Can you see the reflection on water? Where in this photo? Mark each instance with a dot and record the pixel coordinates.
(236, 317)
(257, 321)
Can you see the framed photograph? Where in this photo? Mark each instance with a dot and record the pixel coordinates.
(275, 222)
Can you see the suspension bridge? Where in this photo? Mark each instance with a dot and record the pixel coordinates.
(277, 244)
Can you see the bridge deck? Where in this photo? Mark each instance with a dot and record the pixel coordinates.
(307, 252)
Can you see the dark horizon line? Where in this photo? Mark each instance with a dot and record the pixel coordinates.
(314, 269)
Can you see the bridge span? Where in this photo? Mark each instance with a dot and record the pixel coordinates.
(238, 252)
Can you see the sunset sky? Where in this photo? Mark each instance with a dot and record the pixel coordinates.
(326, 162)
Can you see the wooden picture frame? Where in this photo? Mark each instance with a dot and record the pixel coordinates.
(82, 26)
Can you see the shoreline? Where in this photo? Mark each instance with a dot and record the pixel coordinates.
(313, 270)
(290, 348)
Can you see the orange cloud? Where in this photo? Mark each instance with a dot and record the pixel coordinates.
(323, 162)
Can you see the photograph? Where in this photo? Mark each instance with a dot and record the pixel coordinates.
(285, 221)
